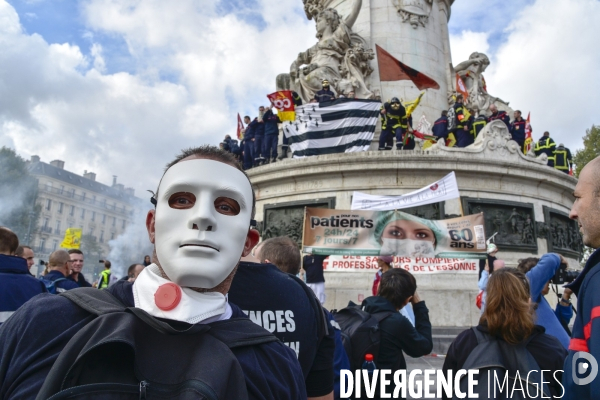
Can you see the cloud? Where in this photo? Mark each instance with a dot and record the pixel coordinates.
(549, 66)
(467, 42)
(193, 68)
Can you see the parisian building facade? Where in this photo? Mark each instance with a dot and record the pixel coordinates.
(69, 200)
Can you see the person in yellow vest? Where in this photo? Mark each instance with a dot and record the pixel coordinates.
(562, 159)
(547, 146)
(105, 276)
(478, 124)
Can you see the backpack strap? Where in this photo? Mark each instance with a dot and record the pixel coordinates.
(380, 316)
(240, 332)
(94, 301)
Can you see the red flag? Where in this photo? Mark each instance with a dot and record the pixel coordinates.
(528, 138)
(284, 103)
(240, 128)
(391, 69)
(461, 88)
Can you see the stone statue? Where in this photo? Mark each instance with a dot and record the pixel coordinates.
(471, 72)
(415, 12)
(340, 56)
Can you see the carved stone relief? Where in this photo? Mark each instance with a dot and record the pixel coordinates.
(562, 233)
(286, 219)
(414, 12)
(513, 223)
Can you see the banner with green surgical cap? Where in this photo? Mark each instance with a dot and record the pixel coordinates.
(391, 233)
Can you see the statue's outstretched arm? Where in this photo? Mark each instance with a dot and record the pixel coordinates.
(351, 19)
(463, 66)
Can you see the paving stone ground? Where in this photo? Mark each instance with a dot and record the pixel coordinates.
(422, 363)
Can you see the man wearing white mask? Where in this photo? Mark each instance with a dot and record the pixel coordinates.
(174, 326)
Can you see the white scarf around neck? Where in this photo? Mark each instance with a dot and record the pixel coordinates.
(194, 307)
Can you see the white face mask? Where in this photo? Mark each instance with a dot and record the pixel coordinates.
(406, 248)
(199, 246)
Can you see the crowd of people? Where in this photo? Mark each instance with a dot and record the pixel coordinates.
(458, 126)
(216, 313)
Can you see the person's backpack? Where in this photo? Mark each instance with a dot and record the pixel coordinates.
(495, 359)
(360, 332)
(125, 353)
(51, 285)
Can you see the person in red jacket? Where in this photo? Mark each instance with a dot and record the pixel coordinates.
(385, 264)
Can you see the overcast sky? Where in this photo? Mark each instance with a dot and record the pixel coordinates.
(118, 87)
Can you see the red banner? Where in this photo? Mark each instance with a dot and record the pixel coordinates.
(528, 138)
(284, 103)
(391, 69)
(240, 128)
(461, 88)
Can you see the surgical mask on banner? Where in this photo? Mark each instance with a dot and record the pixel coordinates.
(407, 248)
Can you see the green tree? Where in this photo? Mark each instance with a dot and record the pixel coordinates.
(18, 193)
(591, 149)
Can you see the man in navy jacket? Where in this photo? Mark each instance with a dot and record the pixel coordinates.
(581, 383)
(249, 142)
(16, 283)
(271, 135)
(59, 266)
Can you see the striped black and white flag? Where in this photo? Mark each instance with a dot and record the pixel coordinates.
(340, 126)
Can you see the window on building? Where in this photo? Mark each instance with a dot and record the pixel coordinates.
(101, 236)
(112, 236)
(83, 213)
(46, 222)
(62, 189)
(93, 215)
(49, 186)
(124, 225)
(54, 245)
(48, 204)
(83, 194)
(58, 232)
(103, 218)
(72, 193)
(114, 223)
(60, 208)
(42, 244)
(93, 199)
(72, 211)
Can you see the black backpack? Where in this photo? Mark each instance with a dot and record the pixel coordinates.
(125, 353)
(360, 333)
(498, 357)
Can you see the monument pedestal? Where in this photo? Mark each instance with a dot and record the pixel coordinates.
(493, 176)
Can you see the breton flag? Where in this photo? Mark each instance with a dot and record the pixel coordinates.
(339, 126)
(528, 138)
(240, 128)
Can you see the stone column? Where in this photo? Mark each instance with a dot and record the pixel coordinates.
(416, 33)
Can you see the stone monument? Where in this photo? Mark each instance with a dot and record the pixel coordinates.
(413, 31)
(471, 72)
(525, 202)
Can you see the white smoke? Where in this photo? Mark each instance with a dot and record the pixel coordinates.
(131, 246)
